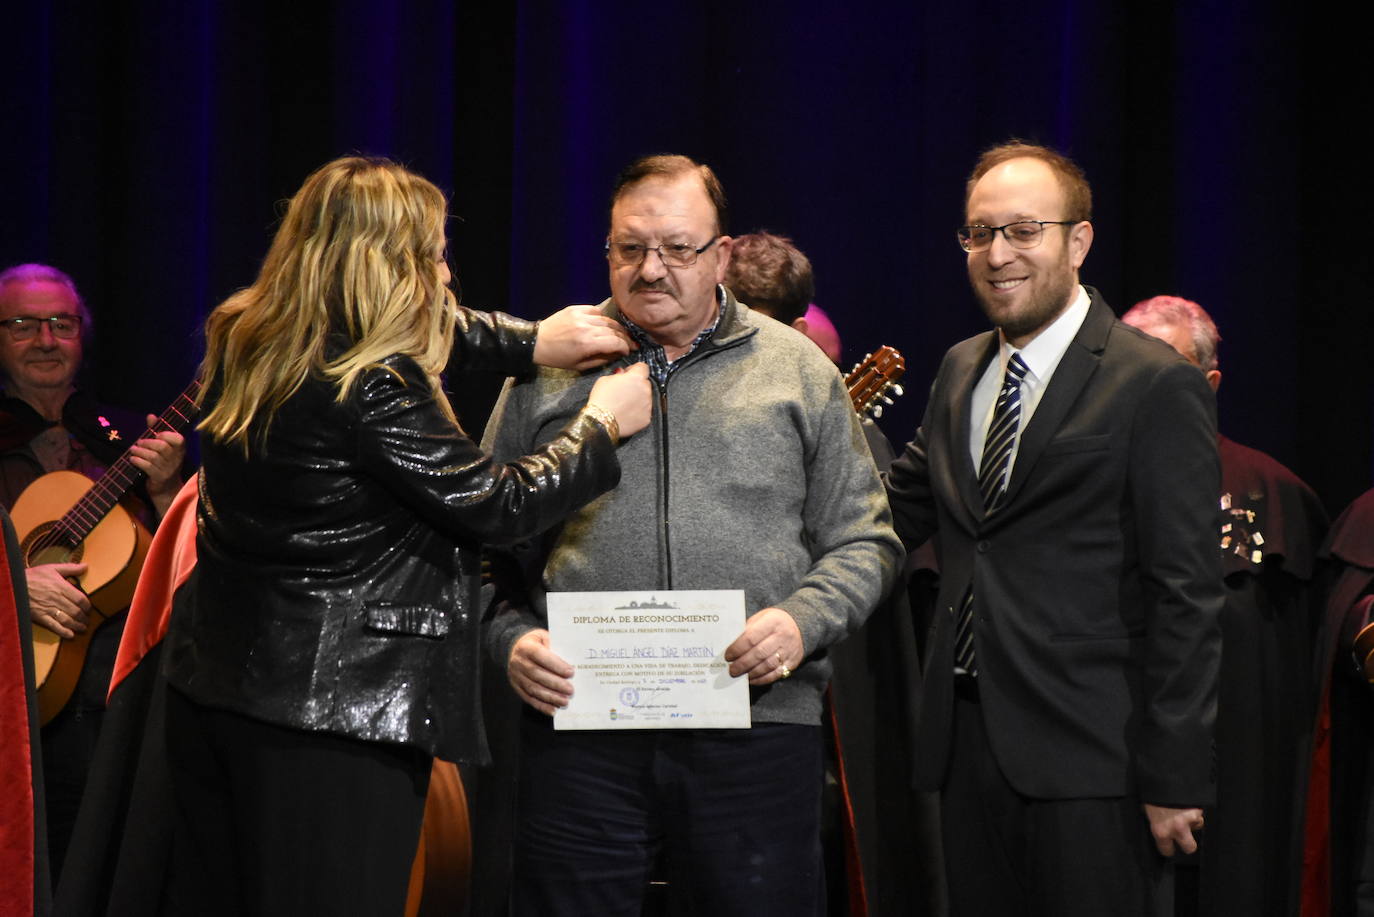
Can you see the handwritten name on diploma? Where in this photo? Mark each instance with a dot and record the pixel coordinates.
(649, 660)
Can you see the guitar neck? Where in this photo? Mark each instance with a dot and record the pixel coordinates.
(875, 378)
(123, 475)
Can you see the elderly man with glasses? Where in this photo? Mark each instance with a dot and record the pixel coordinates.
(47, 424)
(753, 476)
(1067, 467)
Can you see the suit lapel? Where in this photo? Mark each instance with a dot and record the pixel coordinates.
(1070, 377)
(982, 349)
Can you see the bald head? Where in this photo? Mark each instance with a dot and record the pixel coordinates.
(1184, 326)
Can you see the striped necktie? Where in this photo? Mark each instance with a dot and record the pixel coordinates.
(993, 472)
(1006, 416)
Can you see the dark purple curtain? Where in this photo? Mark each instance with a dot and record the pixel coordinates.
(148, 146)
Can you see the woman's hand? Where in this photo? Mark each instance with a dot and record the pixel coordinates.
(627, 395)
(580, 337)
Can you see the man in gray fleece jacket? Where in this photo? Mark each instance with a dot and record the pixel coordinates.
(754, 475)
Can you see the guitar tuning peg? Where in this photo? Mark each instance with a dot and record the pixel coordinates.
(877, 410)
(886, 400)
(896, 389)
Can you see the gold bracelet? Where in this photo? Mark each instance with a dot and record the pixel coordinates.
(607, 420)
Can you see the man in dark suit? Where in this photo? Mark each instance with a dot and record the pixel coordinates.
(1067, 466)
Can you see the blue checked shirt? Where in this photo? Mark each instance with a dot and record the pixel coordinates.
(660, 367)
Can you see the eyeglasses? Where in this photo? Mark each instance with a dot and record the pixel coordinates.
(1021, 234)
(673, 254)
(25, 327)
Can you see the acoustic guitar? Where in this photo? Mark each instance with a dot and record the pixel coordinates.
(64, 517)
(873, 379)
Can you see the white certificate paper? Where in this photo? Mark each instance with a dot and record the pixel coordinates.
(650, 660)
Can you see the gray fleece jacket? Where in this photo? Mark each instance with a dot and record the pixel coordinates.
(753, 475)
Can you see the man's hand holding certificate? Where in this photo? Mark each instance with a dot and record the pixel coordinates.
(649, 661)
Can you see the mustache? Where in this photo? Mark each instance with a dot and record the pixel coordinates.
(657, 286)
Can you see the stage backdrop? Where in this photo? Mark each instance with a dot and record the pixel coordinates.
(148, 147)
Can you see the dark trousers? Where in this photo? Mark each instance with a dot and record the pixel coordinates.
(282, 821)
(1007, 854)
(736, 814)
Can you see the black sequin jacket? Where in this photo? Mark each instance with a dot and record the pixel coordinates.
(338, 564)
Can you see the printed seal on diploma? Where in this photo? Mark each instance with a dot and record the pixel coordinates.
(650, 660)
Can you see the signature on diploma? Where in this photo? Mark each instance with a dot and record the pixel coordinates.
(639, 697)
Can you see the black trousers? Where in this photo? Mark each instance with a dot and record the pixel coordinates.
(1007, 854)
(273, 820)
(735, 813)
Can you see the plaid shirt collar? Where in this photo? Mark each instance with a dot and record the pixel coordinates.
(652, 353)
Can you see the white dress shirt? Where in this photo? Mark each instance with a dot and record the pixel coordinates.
(1041, 356)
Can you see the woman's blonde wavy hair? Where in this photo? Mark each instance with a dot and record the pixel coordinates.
(357, 253)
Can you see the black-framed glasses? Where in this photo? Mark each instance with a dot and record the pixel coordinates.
(1021, 234)
(674, 254)
(25, 328)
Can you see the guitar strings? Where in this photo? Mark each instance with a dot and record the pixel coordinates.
(85, 515)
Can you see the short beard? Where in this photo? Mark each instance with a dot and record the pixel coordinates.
(1040, 311)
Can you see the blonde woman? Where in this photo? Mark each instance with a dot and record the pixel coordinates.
(330, 644)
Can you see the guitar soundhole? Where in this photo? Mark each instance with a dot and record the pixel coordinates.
(40, 548)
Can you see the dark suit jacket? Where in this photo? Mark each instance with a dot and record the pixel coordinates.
(1097, 581)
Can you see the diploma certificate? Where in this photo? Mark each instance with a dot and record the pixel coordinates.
(650, 660)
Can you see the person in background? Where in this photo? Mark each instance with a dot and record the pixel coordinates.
(816, 324)
(48, 422)
(1271, 527)
(769, 274)
(1338, 815)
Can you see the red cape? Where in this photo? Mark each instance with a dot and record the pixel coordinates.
(19, 884)
(171, 557)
